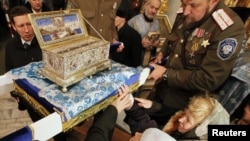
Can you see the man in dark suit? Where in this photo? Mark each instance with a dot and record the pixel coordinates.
(22, 49)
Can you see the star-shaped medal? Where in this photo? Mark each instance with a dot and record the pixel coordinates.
(191, 54)
(205, 43)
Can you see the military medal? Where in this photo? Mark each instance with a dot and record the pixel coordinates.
(205, 43)
(200, 32)
(192, 61)
(195, 47)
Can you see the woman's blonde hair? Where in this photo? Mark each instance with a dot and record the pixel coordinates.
(200, 107)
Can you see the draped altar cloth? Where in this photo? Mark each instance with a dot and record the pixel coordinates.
(237, 86)
(80, 96)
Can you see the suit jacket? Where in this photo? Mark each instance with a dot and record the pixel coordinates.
(16, 56)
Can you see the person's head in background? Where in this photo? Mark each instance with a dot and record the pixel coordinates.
(196, 10)
(120, 19)
(245, 119)
(36, 5)
(201, 111)
(150, 8)
(21, 23)
(198, 109)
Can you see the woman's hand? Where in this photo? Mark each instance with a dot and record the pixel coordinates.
(145, 103)
(122, 101)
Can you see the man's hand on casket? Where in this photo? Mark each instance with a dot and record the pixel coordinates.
(157, 72)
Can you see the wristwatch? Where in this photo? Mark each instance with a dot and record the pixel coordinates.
(165, 75)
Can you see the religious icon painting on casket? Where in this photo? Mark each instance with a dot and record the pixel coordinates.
(69, 53)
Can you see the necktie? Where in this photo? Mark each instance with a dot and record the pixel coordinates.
(26, 45)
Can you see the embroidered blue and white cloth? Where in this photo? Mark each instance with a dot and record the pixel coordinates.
(82, 95)
(237, 86)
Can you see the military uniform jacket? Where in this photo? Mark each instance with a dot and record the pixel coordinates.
(101, 14)
(202, 60)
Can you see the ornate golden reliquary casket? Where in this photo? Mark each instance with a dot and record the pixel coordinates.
(69, 53)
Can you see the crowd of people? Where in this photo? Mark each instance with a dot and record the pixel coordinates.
(201, 51)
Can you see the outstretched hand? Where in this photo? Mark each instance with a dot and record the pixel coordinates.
(123, 101)
(145, 103)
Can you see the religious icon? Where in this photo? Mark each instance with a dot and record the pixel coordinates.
(153, 36)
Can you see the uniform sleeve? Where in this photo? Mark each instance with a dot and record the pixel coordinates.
(103, 126)
(216, 65)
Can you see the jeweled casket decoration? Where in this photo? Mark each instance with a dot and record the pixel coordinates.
(69, 53)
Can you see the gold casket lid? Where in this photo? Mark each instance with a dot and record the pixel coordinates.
(58, 26)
